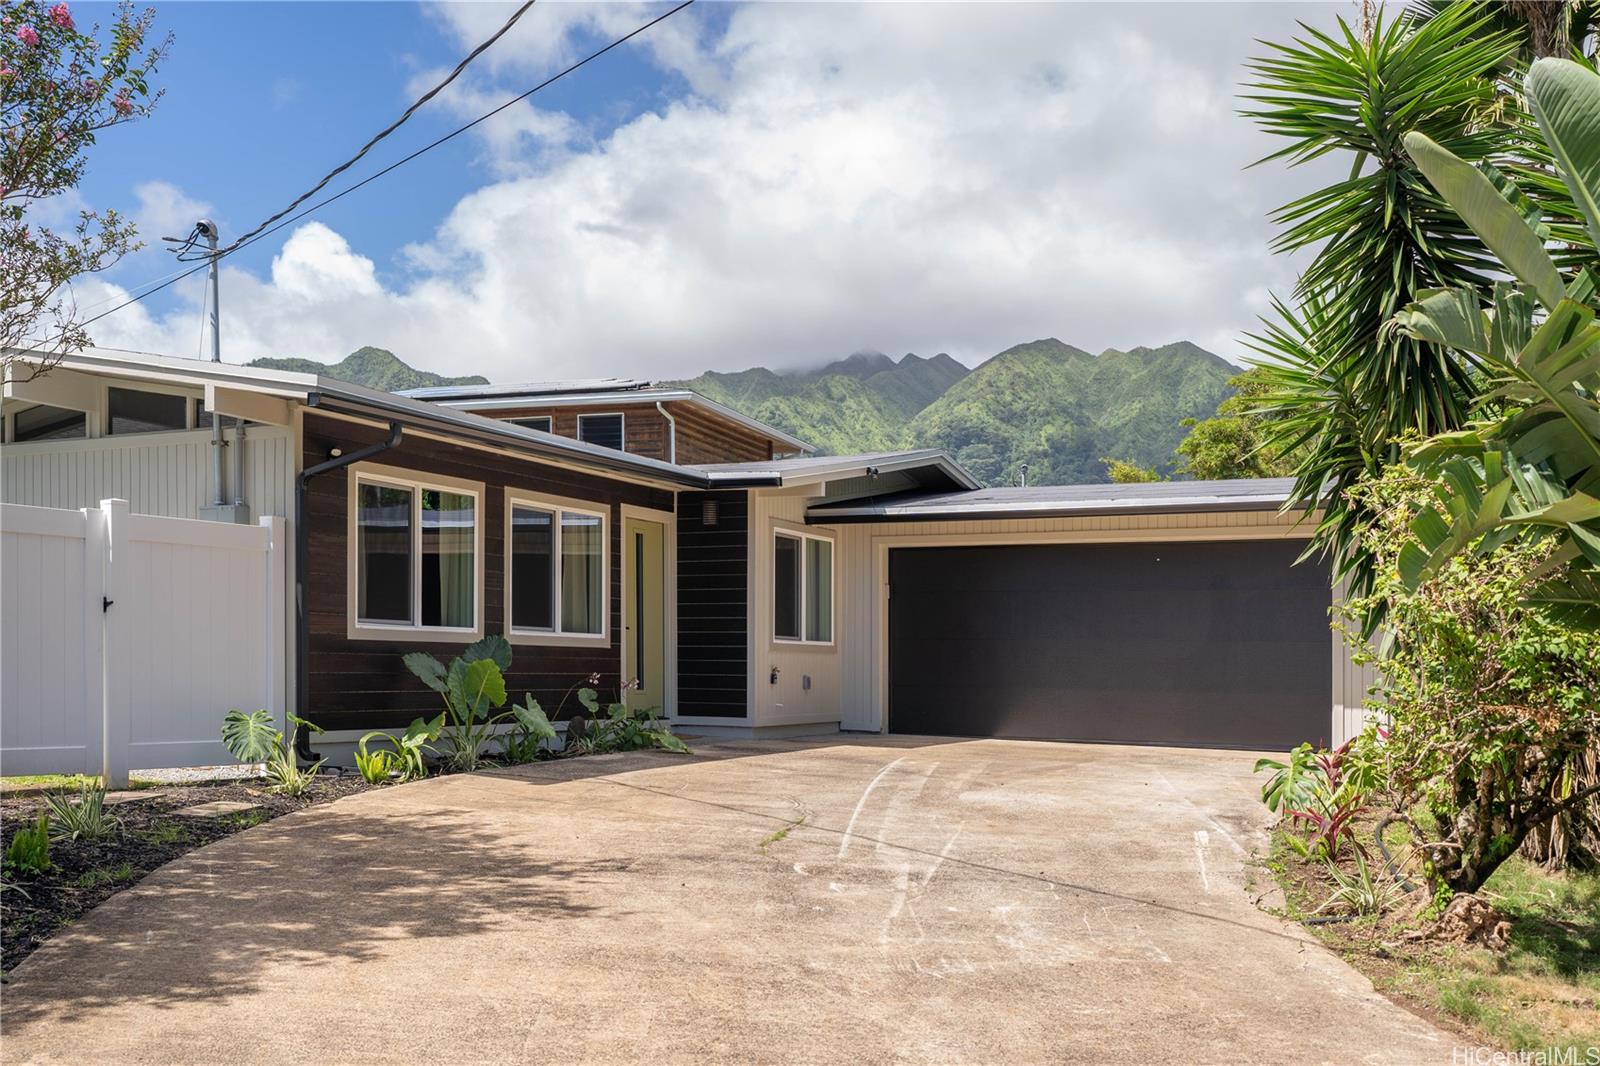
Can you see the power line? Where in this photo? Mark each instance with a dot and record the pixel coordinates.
(396, 124)
(269, 228)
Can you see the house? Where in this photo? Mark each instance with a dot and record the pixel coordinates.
(786, 593)
(677, 425)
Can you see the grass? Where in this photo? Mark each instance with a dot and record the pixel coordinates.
(778, 834)
(107, 876)
(21, 784)
(166, 833)
(1542, 992)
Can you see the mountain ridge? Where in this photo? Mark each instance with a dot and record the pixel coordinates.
(1053, 406)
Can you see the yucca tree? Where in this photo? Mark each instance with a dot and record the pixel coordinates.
(1342, 383)
(1544, 27)
(1533, 467)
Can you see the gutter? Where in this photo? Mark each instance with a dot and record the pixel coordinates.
(302, 627)
(978, 514)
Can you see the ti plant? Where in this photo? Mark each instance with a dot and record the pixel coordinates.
(1323, 792)
(255, 738)
(1531, 465)
(472, 686)
(402, 759)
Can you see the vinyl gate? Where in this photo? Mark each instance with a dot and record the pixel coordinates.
(125, 638)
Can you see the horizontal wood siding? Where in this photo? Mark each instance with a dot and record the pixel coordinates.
(702, 437)
(713, 564)
(705, 438)
(363, 684)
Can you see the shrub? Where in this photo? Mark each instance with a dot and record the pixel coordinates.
(530, 730)
(255, 738)
(1323, 792)
(622, 730)
(29, 851)
(1490, 696)
(402, 760)
(84, 817)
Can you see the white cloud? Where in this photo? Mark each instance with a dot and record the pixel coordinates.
(908, 177)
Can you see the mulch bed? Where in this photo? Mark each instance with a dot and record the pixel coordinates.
(86, 873)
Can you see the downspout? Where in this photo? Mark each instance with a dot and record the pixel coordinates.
(672, 433)
(238, 460)
(302, 630)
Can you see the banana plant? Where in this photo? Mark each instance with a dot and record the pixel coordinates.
(1531, 464)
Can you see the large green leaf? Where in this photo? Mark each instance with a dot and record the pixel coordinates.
(428, 668)
(1500, 225)
(493, 647)
(475, 687)
(1565, 98)
(1450, 317)
(1572, 598)
(250, 738)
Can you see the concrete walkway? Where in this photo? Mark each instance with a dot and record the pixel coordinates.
(934, 901)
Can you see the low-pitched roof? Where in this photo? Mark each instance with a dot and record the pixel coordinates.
(1043, 501)
(324, 393)
(814, 468)
(596, 392)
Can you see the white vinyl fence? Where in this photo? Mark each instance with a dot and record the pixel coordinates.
(125, 638)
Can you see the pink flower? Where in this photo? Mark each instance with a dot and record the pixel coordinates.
(89, 86)
(6, 72)
(28, 36)
(61, 16)
(121, 104)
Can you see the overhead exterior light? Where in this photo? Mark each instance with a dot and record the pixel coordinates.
(708, 511)
(334, 453)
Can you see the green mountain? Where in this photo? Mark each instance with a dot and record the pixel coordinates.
(376, 368)
(859, 404)
(1062, 411)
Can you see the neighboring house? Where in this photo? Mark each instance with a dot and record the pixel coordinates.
(884, 592)
(676, 425)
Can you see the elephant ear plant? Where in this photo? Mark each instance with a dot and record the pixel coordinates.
(402, 759)
(472, 686)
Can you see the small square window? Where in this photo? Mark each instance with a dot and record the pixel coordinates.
(604, 430)
(540, 422)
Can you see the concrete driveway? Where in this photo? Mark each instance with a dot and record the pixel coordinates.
(934, 900)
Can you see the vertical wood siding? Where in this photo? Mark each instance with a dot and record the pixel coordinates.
(164, 474)
(789, 701)
(361, 684)
(713, 571)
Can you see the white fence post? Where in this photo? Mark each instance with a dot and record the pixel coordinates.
(277, 683)
(94, 651)
(116, 699)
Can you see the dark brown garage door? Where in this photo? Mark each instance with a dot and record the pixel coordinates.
(1221, 644)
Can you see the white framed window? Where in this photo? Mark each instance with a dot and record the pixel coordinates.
(606, 430)
(802, 587)
(557, 570)
(542, 423)
(416, 555)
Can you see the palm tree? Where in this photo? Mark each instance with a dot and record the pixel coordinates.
(1341, 383)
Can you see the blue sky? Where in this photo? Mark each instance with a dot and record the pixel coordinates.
(264, 98)
(768, 184)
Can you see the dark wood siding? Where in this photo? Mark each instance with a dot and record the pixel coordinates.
(713, 629)
(362, 684)
(703, 437)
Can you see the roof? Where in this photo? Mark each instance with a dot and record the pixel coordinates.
(1158, 497)
(325, 393)
(814, 468)
(595, 392)
(529, 388)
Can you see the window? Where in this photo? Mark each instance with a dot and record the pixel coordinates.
(604, 430)
(802, 588)
(137, 411)
(539, 422)
(416, 555)
(558, 570)
(48, 423)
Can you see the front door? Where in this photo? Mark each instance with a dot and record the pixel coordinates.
(644, 615)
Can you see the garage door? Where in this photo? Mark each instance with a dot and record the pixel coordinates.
(1221, 644)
